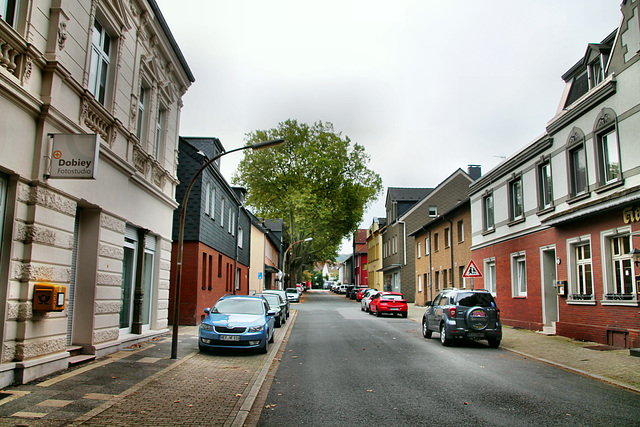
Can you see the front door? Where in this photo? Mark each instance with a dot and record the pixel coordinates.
(550, 294)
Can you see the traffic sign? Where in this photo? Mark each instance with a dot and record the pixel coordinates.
(472, 271)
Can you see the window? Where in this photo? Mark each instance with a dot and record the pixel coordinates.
(619, 271)
(159, 133)
(433, 211)
(427, 247)
(9, 11)
(460, 231)
(419, 283)
(207, 198)
(545, 193)
(518, 274)
(516, 202)
(99, 66)
(461, 279)
(609, 159)
(222, 212)
(436, 243)
(142, 99)
(240, 237)
(219, 265)
(596, 73)
(447, 237)
(213, 202)
(490, 275)
(230, 222)
(577, 163)
(584, 277)
(487, 212)
(419, 250)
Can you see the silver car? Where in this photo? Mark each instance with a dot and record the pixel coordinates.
(366, 299)
(282, 294)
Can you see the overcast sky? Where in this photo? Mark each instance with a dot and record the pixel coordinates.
(425, 86)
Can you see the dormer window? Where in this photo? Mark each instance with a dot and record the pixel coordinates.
(596, 72)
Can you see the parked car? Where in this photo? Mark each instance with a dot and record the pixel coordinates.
(279, 306)
(366, 299)
(238, 322)
(354, 292)
(470, 314)
(342, 289)
(347, 290)
(360, 294)
(293, 295)
(388, 302)
(282, 294)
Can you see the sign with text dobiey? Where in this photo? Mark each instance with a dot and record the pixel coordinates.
(472, 271)
(74, 156)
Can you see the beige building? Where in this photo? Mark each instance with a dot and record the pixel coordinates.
(266, 246)
(374, 253)
(113, 70)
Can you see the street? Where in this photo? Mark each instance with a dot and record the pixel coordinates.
(342, 366)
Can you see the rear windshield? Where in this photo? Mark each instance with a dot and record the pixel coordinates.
(394, 297)
(239, 306)
(472, 299)
(273, 300)
(291, 291)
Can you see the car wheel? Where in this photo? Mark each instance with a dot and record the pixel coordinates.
(494, 342)
(265, 348)
(378, 314)
(425, 330)
(405, 315)
(278, 322)
(361, 307)
(273, 336)
(444, 339)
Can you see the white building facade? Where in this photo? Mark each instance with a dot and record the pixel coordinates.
(80, 67)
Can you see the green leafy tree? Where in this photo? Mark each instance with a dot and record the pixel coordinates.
(318, 182)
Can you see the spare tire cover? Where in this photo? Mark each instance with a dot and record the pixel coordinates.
(477, 318)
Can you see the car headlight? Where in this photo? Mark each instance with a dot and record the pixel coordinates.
(206, 327)
(256, 328)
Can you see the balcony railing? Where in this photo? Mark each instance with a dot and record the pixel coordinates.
(12, 52)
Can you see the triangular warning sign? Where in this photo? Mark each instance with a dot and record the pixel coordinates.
(471, 271)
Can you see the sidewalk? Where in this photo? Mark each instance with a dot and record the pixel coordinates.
(612, 365)
(142, 386)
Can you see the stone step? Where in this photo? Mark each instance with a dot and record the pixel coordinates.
(81, 358)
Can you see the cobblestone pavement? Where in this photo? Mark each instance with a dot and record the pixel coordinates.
(142, 386)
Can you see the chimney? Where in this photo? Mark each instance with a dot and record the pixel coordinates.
(474, 171)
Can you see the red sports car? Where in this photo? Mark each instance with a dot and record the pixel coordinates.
(360, 293)
(388, 302)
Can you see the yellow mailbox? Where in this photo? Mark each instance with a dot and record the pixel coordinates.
(49, 297)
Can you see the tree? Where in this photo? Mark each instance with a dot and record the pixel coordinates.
(318, 182)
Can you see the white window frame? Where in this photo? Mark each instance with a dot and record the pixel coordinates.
(575, 267)
(142, 98)
(160, 125)
(14, 7)
(609, 259)
(488, 213)
(608, 156)
(419, 282)
(207, 198)
(102, 45)
(545, 185)
(427, 246)
(433, 211)
(222, 212)
(240, 237)
(213, 202)
(578, 171)
(490, 275)
(519, 274)
(516, 199)
(460, 231)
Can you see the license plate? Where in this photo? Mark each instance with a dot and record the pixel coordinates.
(475, 335)
(394, 309)
(229, 338)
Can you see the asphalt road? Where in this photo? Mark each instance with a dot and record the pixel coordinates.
(343, 367)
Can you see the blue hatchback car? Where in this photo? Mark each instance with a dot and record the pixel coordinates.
(238, 321)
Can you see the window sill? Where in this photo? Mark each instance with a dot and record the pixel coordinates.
(516, 221)
(607, 187)
(581, 302)
(545, 211)
(519, 296)
(628, 303)
(578, 197)
(485, 232)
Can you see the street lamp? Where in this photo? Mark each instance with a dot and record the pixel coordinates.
(176, 298)
(308, 239)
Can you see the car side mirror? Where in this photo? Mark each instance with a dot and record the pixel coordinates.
(428, 304)
(207, 310)
(271, 313)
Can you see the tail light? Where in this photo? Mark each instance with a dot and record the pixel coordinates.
(497, 314)
(452, 311)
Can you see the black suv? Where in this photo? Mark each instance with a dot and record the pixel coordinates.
(462, 313)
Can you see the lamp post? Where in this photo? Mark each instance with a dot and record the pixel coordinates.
(176, 298)
(308, 239)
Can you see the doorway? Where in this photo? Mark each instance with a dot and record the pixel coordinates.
(549, 292)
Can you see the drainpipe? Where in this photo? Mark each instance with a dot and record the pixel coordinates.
(430, 268)
(451, 250)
